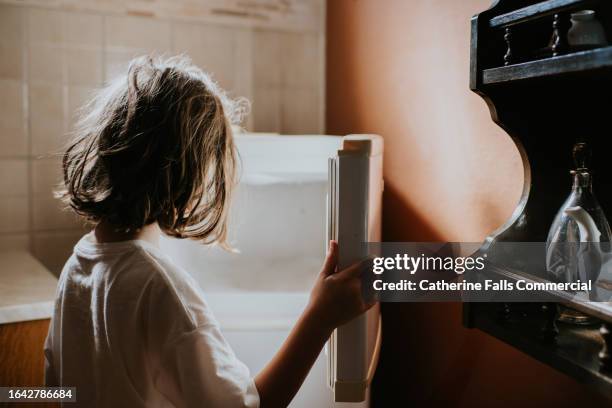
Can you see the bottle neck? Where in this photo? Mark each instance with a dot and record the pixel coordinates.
(582, 181)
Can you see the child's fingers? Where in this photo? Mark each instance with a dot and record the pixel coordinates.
(331, 260)
(355, 270)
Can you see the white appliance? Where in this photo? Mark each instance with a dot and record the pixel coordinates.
(354, 217)
(278, 223)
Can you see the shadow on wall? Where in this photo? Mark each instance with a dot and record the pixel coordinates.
(410, 226)
(428, 359)
(402, 364)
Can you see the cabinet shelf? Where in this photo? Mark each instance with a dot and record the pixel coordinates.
(578, 62)
(574, 353)
(537, 10)
(599, 310)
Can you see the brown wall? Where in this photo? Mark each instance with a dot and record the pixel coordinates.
(399, 68)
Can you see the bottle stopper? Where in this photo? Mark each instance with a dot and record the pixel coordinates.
(582, 156)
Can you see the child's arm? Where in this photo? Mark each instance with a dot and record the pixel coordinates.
(335, 299)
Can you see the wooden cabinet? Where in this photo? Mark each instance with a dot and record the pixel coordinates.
(22, 359)
(21, 353)
(547, 95)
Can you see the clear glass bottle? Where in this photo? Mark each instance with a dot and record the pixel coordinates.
(564, 235)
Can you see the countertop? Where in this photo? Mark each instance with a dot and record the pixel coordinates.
(27, 288)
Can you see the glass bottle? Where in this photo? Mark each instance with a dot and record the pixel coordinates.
(563, 237)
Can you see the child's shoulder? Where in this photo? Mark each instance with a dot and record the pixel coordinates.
(172, 284)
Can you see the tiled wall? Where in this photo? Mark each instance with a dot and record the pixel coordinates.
(51, 60)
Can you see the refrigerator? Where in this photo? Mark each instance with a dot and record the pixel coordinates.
(354, 201)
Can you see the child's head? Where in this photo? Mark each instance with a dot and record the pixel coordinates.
(155, 145)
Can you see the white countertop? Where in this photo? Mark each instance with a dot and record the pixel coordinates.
(27, 288)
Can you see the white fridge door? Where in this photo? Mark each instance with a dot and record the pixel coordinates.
(354, 217)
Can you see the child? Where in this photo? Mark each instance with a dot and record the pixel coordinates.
(154, 153)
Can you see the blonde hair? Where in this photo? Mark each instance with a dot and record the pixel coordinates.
(156, 145)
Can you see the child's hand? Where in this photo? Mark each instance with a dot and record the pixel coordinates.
(334, 300)
(336, 296)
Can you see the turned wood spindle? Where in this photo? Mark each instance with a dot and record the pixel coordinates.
(549, 330)
(605, 358)
(503, 312)
(559, 40)
(508, 39)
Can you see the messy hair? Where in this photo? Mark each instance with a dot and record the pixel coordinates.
(155, 145)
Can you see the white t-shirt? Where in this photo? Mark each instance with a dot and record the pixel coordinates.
(132, 329)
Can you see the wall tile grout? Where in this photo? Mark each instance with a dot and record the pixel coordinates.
(25, 27)
(71, 87)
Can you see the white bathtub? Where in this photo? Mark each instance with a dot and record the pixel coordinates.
(278, 225)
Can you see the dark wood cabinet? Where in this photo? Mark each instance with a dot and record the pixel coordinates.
(22, 359)
(547, 95)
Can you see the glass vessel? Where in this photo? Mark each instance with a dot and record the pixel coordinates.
(564, 236)
(586, 31)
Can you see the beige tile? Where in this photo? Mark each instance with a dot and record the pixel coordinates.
(11, 61)
(137, 33)
(300, 62)
(46, 119)
(11, 24)
(267, 58)
(13, 142)
(84, 29)
(54, 248)
(243, 71)
(116, 62)
(13, 137)
(13, 177)
(300, 111)
(243, 67)
(45, 26)
(49, 213)
(78, 96)
(211, 47)
(46, 175)
(187, 37)
(14, 215)
(266, 109)
(84, 66)
(11, 102)
(220, 55)
(45, 63)
(221, 70)
(48, 138)
(46, 101)
(14, 241)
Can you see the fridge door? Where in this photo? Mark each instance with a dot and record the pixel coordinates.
(354, 217)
